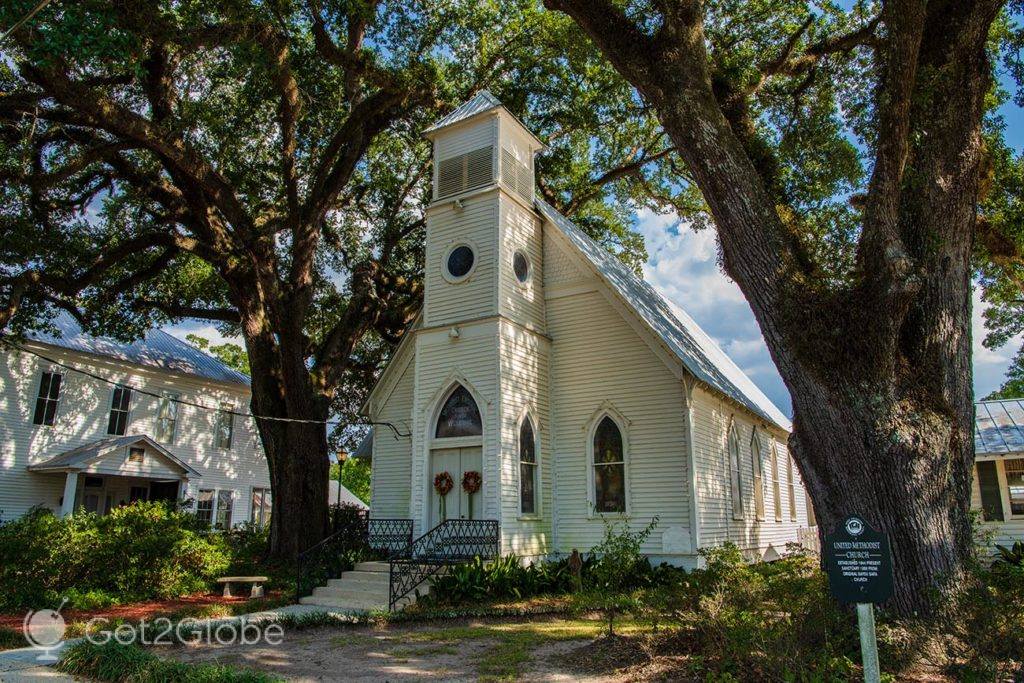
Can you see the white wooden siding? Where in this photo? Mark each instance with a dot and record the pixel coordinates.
(1011, 529)
(82, 418)
(391, 473)
(598, 360)
(711, 418)
(476, 224)
(524, 360)
(520, 230)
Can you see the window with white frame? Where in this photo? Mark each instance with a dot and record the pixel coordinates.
(527, 468)
(755, 463)
(47, 399)
(261, 506)
(222, 515)
(776, 484)
(167, 418)
(791, 483)
(205, 505)
(609, 467)
(1014, 469)
(120, 409)
(224, 428)
(735, 477)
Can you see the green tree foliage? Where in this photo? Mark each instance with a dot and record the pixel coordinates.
(355, 476)
(232, 355)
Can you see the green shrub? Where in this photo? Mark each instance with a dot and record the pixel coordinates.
(988, 637)
(505, 578)
(141, 551)
(121, 663)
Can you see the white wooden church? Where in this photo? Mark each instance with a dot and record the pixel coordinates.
(569, 385)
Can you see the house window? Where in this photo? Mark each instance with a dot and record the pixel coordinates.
(136, 455)
(138, 493)
(459, 416)
(225, 426)
(811, 519)
(609, 468)
(755, 461)
(204, 505)
(735, 481)
(460, 262)
(791, 483)
(261, 506)
(120, 404)
(167, 418)
(223, 512)
(1015, 485)
(46, 401)
(527, 468)
(521, 266)
(776, 484)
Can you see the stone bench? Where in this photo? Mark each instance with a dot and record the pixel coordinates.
(256, 581)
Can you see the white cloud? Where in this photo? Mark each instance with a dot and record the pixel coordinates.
(203, 329)
(989, 364)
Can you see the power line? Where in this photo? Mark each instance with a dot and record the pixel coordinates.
(181, 401)
(27, 17)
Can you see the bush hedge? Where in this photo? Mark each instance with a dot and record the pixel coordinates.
(122, 663)
(142, 551)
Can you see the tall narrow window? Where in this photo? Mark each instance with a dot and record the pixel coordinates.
(261, 506)
(223, 513)
(735, 478)
(459, 416)
(167, 418)
(47, 399)
(204, 505)
(527, 468)
(755, 463)
(776, 485)
(224, 430)
(811, 519)
(120, 407)
(791, 483)
(609, 468)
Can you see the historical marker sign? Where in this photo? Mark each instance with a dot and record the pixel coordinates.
(858, 563)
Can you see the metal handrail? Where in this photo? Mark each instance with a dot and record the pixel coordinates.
(453, 541)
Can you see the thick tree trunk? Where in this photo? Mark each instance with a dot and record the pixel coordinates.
(295, 445)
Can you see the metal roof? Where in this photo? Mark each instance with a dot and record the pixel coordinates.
(365, 447)
(701, 356)
(79, 457)
(999, 427)
(156, 349)
(478, 104)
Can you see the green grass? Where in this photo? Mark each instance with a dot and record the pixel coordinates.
(122, 663)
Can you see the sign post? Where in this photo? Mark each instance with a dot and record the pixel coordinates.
(859, 568)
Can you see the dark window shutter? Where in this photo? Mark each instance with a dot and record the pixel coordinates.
(991, 498)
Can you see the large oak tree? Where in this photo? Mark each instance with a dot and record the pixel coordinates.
(259, 164)
(860, 280)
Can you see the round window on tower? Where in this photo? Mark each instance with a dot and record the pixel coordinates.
(521, 266)
(460, 261)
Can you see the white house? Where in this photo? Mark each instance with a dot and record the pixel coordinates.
(91, 423)
(997, 493)
(577, 392)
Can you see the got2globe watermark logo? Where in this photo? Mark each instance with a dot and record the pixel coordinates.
(45, 630)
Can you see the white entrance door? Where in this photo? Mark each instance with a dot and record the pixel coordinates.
(456, 462)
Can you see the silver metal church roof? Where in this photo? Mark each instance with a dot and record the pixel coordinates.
(999, 427)
(478, 104)
(156, 350)
(701, 356)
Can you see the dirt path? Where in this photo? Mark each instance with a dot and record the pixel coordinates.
(539, 649)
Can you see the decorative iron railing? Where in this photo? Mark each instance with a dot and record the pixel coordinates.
(336, 553)
(450, 542)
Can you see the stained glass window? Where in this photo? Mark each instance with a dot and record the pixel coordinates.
(459, 416)
(527, 468)
(609, 468)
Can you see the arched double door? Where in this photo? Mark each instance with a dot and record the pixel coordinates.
(456, 449)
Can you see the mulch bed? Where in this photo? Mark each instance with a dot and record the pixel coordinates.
(133, 611)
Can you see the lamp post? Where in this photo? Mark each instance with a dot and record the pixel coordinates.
(342, 456)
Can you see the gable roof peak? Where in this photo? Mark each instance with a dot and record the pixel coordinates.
(481, 103)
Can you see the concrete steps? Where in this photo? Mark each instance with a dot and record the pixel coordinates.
(366, 588)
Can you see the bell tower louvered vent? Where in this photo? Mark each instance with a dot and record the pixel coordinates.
(517, 176)
(465, 172)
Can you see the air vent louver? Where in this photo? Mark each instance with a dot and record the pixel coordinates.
(516, 175)
(464, 172)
